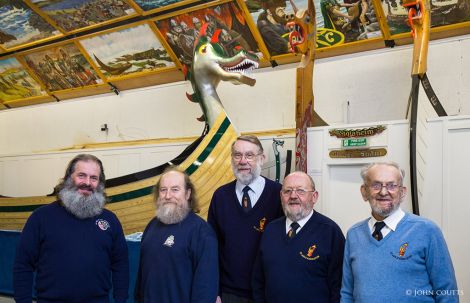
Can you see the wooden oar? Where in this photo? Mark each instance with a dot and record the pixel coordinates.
(420, 22)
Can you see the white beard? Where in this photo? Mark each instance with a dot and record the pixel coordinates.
(171, 213)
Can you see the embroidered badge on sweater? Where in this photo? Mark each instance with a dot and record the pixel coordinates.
(262, 223)
(401, 252)
(170, 241)
(102, 224)
(309, 255)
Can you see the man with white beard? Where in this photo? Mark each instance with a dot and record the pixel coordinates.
(178, 256)
(239, 212)
(75, 246)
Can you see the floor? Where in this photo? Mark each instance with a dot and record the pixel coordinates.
(6, 299)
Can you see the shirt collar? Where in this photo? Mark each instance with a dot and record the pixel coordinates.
(301, 222)
(257, 185)
(391, 221)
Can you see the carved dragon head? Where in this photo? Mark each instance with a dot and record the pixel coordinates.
(302, 27)
(211, 64)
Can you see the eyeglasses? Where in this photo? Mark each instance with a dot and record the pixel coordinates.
(248, 156)
(391, 187)
(299, 192)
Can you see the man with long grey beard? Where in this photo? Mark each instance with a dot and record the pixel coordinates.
(239, 212)
(75, 246)
(178, 256)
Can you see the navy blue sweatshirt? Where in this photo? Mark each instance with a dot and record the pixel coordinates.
(178, 263)
(75, 260)
(239, 233)
(306, 268)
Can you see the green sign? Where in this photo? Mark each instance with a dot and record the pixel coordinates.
(354, 142)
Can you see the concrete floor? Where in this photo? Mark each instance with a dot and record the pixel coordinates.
(4, 299)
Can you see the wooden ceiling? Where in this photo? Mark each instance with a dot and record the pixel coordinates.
(60, 49)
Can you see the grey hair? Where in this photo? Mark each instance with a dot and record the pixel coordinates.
(71, 169)
(251, 139)
(365, 170)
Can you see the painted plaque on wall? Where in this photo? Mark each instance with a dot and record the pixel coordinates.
(338, 21)
(62, 67)
(20, 25)
(128, 51)
(71, 15)
(181, 31)
(443, 12)
(16, 83)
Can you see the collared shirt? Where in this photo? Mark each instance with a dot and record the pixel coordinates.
(256, 189)
(301, 222)
(391, 222)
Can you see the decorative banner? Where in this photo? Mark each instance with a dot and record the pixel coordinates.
(21, 25)
(76, 14)
(358, 153)
(353, 133)
(127, 51)
(16, 83)
(62, 67)
(182, 30)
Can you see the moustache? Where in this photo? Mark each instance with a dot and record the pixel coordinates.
(86, 187)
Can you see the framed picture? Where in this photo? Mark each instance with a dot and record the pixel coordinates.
(16, 83)
(73, 15)
(129, 51)
(20, 25)
(181, 31)
(338, 21)
(443, 12)
(152, 6)
(62, 67)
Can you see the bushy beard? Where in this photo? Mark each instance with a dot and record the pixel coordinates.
(246, 179)
(170, 212)
(79, 205)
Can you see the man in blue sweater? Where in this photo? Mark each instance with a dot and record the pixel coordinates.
(301, 255)
(395, 256)
(75, 246)
(239, 212)
(178, 257)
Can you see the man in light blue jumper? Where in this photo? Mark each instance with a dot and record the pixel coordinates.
(395, 256)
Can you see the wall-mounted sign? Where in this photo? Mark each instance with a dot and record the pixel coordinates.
(354, 133)
(354, 142)
(358, 153)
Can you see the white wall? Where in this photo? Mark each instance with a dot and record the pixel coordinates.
(37, 174)
(376, 84)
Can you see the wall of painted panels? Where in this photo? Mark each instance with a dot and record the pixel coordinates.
(364, 87)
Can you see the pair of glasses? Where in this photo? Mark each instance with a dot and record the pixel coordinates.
(299, 192)
(247, 156)
(390, 187)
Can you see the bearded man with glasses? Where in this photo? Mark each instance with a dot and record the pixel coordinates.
(300, 255)
(395, 256)
(239, 212)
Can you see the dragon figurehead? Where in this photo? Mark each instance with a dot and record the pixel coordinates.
(211, 64)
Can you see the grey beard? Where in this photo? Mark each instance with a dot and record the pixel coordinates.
(171, 213)
(247, 179)
(297, 216)
(384, 213)
(82, 206)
